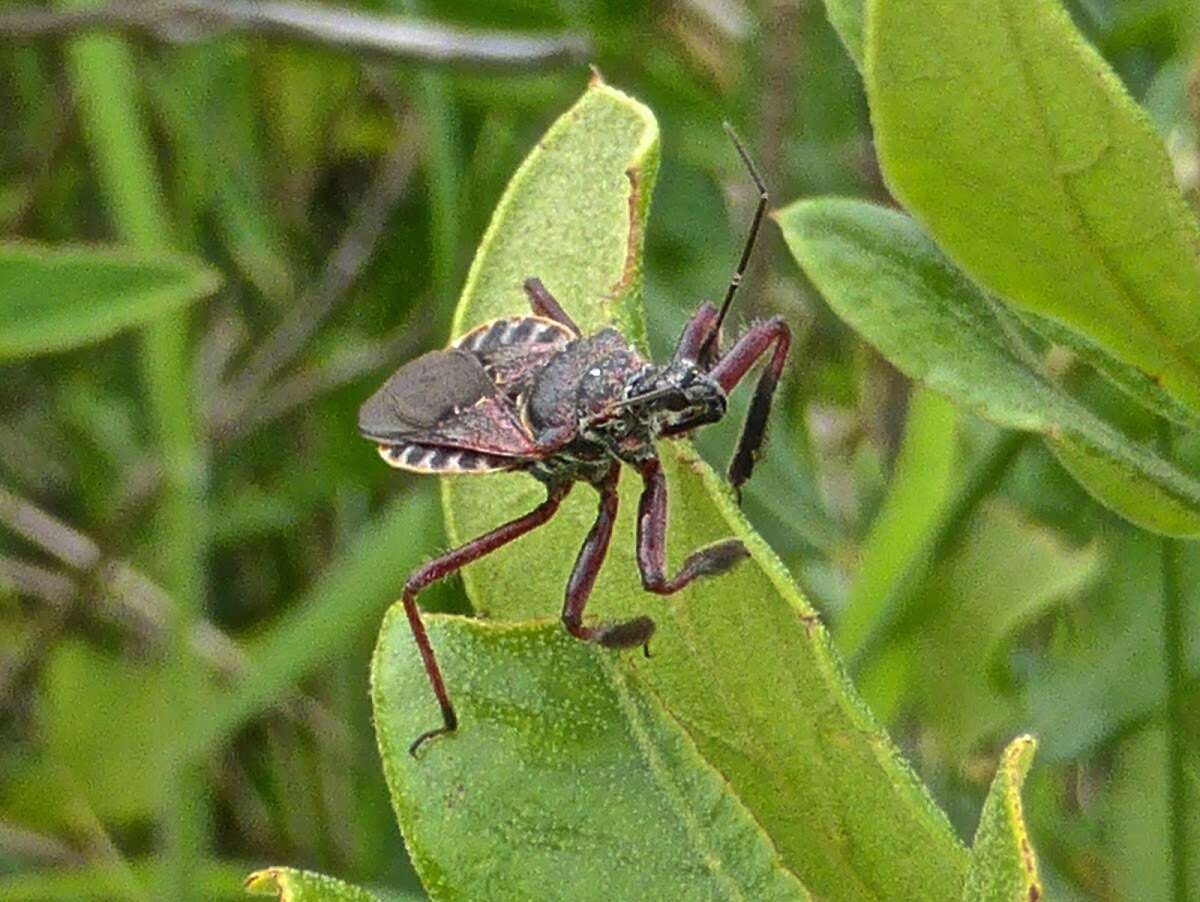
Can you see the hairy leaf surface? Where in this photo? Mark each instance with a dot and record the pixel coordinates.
(566, 780)
(1003, 866)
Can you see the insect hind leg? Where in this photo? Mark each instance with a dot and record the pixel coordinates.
(451, 562)
(545, 304)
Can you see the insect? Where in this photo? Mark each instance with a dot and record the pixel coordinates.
(533, 394)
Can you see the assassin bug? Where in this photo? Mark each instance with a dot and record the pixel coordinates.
(533, 394)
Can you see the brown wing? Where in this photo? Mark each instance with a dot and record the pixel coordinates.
(443, 400)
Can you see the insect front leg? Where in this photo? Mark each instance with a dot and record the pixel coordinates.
(587, 567)
(729, 372)
(451, 562)
(652, 541)
(697, 335)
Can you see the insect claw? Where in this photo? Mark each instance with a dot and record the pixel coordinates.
(426, 736)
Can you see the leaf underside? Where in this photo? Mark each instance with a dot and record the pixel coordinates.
(886, 278)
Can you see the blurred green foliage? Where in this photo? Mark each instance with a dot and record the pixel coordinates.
(196, 549)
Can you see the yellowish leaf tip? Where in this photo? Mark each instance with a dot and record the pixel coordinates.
(265, 883)
(1018, 756)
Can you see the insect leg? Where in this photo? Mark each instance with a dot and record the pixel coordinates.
(587, 567)
(451, 562)
(545, 304)
(652, 540)
(729, 372)
(696, 333)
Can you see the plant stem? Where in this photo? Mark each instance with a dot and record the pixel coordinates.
(104, 80)
(987, 471)
(1174, 654)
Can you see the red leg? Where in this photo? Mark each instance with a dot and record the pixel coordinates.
(696, 333)
(451, 562)
(587, 568)
(545, 304)
(652, 541)
(730, 370)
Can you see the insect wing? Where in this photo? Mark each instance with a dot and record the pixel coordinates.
(441, 413)
(490, 426)
(485, 438)
(423, 393)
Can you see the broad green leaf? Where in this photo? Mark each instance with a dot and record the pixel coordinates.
(740, 661)
(53, 299)
(920, 485)
(883, 275)
(1003, 866)
(565, 780)
(292, 885)
(1004, 132)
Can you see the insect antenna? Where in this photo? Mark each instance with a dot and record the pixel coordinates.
(738, 273)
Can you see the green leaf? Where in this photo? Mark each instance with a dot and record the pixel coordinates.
(846, 16)
(53, 299)
(565, 773)
(1003, 866)
(883, 275)
(292, 885)
(1005, 572)
(1006, 134)
(919, 489)
(1132, 381)
(740, 661)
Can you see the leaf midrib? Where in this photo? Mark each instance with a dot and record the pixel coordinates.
(713, 860)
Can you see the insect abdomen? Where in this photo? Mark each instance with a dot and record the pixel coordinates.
(430, 459)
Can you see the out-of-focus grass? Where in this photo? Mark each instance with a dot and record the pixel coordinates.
(269, 545)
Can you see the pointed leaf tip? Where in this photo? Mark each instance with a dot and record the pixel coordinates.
(1003, 864)
(292, 885)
